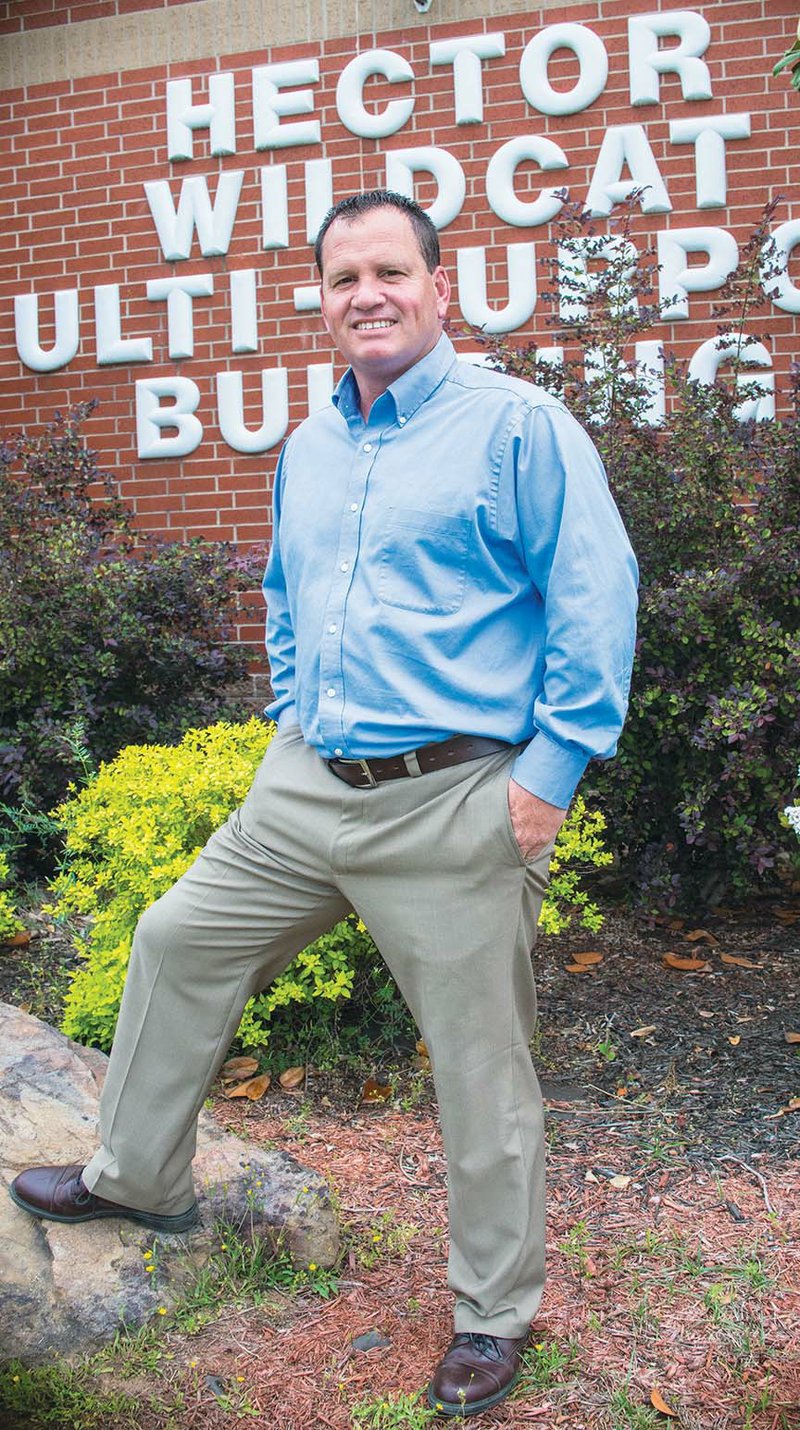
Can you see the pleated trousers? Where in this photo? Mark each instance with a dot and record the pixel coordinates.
(431, 864)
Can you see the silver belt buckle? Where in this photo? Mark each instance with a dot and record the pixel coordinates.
(364, 765)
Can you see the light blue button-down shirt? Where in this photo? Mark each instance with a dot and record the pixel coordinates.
(454, 565)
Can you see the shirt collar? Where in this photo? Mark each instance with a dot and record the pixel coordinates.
(409, 390)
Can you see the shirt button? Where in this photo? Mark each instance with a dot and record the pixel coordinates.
(367, 446)
(345, 566)
(338, 752)
(330, 691)
(354, 506)
(332, 630)
(402, 421)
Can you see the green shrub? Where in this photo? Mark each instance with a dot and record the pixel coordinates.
(712, 504)
(10, 923)
(105, 637)
(141, 820)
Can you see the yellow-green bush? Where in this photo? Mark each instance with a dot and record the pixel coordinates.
(9, 923)
(139, 823)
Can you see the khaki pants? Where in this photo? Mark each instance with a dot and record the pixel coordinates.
(432, 867)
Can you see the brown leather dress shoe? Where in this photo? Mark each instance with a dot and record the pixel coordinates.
(58, 1194)
(475, 1373)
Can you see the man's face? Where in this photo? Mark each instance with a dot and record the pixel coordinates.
(381, 306)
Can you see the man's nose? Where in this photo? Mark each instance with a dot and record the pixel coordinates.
(368, 292)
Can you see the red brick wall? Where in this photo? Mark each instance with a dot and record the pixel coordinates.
(73, 215)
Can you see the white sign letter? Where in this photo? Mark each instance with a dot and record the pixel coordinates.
(152, 418)
(531, 148)
(274, 207)
(270, 106)
(678, 278)
(709, 358)
(111, 346)
(708, 134)
(778, 285)
(214, 224)
(244, 311)
(403, 164)
(218, 116)
(350, 94)
(179, 293)
(465, 53)
(67, 330)
(626, 144)
(319, 194)
(521, 259)
(592, 58)
(647, 61)
(274, 410)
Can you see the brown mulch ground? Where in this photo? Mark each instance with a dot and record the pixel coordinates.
(681, 1277)
(674, 1210)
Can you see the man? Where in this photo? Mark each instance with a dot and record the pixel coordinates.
(450, 603)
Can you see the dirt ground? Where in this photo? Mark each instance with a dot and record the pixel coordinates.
(673, 1113)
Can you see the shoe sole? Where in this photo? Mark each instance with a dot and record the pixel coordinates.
(183, 1222)
(455, 1409)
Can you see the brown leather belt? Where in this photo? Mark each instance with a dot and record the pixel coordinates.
(366, 774)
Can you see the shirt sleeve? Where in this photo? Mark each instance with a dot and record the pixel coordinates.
(580, 561)
(280, 639)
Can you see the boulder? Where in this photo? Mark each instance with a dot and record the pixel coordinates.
(69, 1289)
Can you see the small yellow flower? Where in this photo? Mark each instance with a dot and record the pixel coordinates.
(312, 1265)
(540, 1346)
(240, 1378)
(192, 1364)
(147, 1255)
(149, 1270)
(305, 1189)
(162, 1310)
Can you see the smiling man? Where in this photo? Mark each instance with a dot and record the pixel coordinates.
(450, 620)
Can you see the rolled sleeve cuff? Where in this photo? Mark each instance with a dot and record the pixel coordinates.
(549, 770)
(283, 714)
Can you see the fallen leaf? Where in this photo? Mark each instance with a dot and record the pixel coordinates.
(373, 1091)
(733, 958)
(622, 1091)
(676, 925)
(620, 1182)
(578, 968)
(791, 1037)
(588, 958)
(17, 940)
(701, 936)
(704, 1013)
(422, 1048)
(735, 1040)
(659, 1403)
(643, 1032)
(236, 1068)
(253, 1088)
(25, 1007)
(291, 1078)
(589, 1176)
(686, 965)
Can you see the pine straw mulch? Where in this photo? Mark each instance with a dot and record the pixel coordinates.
(674, 1208)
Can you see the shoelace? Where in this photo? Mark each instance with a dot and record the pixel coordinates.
(486, 1345)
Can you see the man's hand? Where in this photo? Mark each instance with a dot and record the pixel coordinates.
(535, 822)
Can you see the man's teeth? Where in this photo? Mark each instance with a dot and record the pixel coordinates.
(379, 323)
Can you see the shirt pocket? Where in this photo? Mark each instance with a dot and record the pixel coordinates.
(423, 563)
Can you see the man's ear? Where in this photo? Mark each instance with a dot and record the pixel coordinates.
(322, 308)
(441, 283)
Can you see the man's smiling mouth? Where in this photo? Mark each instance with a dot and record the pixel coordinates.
(369, 324)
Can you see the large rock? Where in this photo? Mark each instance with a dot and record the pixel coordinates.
(68, 1289)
